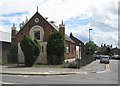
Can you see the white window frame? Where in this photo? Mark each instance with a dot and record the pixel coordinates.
(37, 28)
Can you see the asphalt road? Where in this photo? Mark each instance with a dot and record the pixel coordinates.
(96, 75)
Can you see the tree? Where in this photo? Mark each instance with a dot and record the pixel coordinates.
(108, 51)
(56, 48)
(90, 47)
(31, 50)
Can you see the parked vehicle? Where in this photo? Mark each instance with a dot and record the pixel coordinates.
(97, 57)
(116, 57)
(105, 59)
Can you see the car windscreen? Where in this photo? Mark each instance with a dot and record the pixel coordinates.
(106, 57)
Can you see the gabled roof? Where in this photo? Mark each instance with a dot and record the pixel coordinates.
(67, 38)
(56, 27)
(115, 48)
(37, 13)
(51, 24)
(77, 41)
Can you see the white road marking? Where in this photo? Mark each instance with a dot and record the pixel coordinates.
(23, 75)
(106, 68)
(101, 71)
(6, 83)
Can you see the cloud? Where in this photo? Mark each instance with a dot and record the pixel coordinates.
(5, 28)
(13, 14)
(78, 16)
(105, 18)
(103, 21)
(107, 38)
(77, 21)
(7, 20)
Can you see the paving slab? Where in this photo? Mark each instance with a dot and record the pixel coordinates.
(39, 71)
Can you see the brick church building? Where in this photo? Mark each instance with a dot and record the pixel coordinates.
(37, 27)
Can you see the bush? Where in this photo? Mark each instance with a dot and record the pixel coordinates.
(31, 50)
(72, 64)
(53, 60)
(90, 47)
(55, 48)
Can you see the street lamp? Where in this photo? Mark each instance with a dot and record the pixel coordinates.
(89, 33)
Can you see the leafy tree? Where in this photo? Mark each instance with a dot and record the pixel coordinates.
(108, 51)
(90, 47)
(56, 48)
(31, 50)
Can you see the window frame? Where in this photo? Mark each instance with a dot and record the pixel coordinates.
(37, 34)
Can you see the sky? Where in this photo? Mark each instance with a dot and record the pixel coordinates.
(78, 16)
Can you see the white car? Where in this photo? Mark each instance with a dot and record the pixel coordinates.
(117, 57)
(105, 59)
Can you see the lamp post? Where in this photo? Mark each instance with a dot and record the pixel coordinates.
(89, 34)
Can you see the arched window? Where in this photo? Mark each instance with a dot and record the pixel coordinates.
(37, 32)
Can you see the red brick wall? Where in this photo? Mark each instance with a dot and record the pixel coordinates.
(47, 30)
(71, 54)
(42, 22)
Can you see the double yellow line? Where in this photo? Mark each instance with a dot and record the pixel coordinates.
(107, 67)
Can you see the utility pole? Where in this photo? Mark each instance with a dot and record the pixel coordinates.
(89, 34)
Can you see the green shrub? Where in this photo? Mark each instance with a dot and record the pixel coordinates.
(90, 47)
(73, 64)
(66, 64)
(56, 48)
(31, 50)
(0, 61)
(4, 61)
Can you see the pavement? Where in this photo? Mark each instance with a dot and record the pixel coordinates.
(14, 70)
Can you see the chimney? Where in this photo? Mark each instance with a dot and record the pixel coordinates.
(71, 34)
(46, 18)
(26, 20)
(52, 22)
(13, 33)
(62, 27)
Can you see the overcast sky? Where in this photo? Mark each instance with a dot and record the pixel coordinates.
(78, 15)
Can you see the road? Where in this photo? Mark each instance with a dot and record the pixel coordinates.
(96, 75)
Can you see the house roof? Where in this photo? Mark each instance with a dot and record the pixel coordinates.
(55, 26)
(77, 41)
(115, 48)
(67, 38)
(37, 13)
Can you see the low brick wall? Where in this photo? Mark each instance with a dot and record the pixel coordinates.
(86, 60)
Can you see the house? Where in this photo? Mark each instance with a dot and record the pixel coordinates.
(115, 51)
(103, 49)
(39, 28)
(79, 46)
